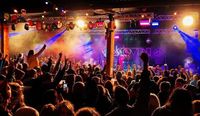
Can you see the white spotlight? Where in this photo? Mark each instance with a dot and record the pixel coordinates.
(188, 21)
(117, 23)
(80, 23)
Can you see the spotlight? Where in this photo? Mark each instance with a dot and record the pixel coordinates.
(144, 22)
(175, 13)
(117, 23)
(15, 11)
(188, 20)
(26, 26)
(148, 41)
(90, 25)
(80, 23)
(155, 24)
(46, 3)
(142, 16)
(56, 8)
(188, 60)
(175, 28)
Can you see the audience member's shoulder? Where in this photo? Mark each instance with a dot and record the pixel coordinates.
(26, 111)
(161, 111)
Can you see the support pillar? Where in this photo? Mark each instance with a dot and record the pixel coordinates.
(4, 39)
(110, 33)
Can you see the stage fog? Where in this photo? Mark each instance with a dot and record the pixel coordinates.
(90, 47)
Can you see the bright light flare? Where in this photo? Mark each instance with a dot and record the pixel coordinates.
(15, 11)
(175, 28)
(80, 23)
(117, 23)
(188, 20)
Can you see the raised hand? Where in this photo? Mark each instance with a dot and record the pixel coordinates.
(60, 55)
(144, 57)
(145, 60)
(45, 46)
(66, 60)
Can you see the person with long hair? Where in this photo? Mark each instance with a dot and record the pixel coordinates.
(179, 104)
(32, 59)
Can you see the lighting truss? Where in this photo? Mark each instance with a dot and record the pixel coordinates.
(132, 31)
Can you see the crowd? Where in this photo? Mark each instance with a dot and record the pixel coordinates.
(64, 88)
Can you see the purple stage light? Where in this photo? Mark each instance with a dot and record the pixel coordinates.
(144, 22)
(116, 37)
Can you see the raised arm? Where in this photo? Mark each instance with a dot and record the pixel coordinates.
(60, 74)
(41, 50)
(57, 63)
(141, 105)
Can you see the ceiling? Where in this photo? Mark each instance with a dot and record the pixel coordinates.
(40, 6)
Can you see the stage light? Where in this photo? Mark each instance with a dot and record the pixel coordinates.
(188, 21)
(64, 11)
(175, 13)
(80, 23)
(142, 16)
(148, 41)
(56, 8)
(175, 28)
(90, 25)
(42, 16)
(188, 60)
(155, 23)
(46, 3)
(117, 23)
(144, 22)
(116, 37)
(15, 11)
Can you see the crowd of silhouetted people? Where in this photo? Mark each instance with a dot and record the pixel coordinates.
(61, 87)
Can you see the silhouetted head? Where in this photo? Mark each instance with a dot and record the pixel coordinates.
(26, 111)
(165, 86)
(121, 95)
(51, 96)
(179, 82)
(65, 108)
(118, 75)
(196, 106)
(48, 110)
(109, 86)
(156, 78)
(78, 88)
(102, 90)
(198, 84)
(87, 111)
(79, 78)
(30, 53)
(180, 102)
